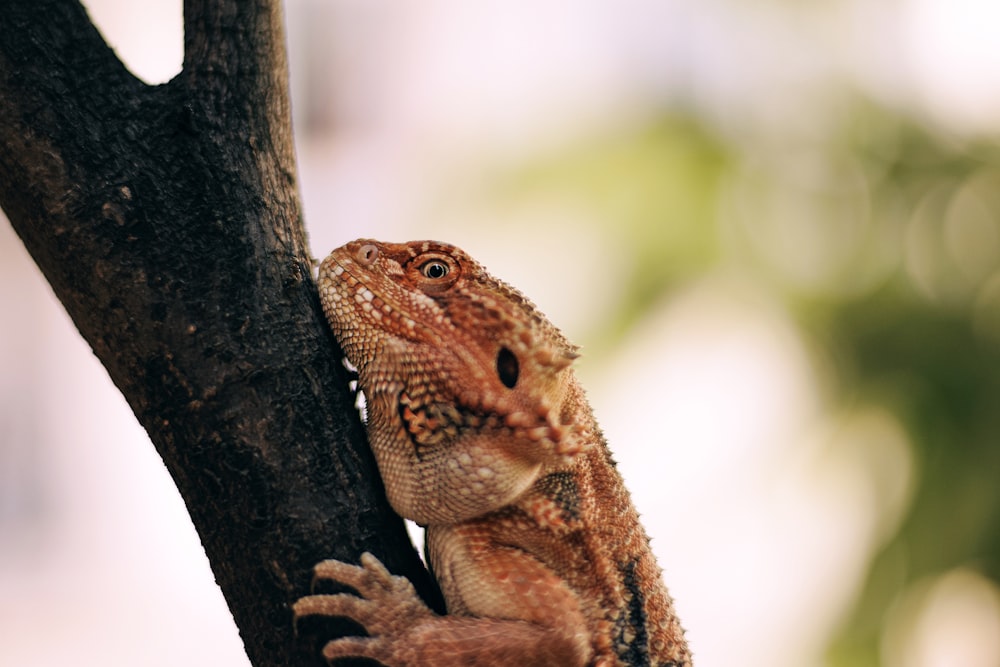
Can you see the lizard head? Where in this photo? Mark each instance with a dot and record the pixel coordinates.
(466, 382)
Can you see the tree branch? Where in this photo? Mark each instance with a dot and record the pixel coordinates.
(167, 221)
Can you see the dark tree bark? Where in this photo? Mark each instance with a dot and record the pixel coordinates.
(166, 219)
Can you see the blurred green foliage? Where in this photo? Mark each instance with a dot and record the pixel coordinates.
(656, 189)
(883, 240)
(926, 344)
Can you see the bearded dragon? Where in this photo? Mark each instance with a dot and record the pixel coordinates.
(483, 435)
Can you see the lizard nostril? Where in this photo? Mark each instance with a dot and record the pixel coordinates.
(367, 253)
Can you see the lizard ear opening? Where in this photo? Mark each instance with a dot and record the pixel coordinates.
(508, 367)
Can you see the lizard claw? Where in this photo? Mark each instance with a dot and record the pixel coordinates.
(362, 578)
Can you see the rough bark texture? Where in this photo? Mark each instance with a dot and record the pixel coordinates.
(166, 219)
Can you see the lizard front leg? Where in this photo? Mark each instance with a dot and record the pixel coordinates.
(404, 632)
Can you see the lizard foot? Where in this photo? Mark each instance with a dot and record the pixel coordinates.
(386, 605)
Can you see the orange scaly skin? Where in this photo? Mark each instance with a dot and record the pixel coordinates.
(483, 435)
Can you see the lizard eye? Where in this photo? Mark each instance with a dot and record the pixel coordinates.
(434, 273)
(434, 269)
(508, 367)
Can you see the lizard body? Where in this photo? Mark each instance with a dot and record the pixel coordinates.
(483, 435)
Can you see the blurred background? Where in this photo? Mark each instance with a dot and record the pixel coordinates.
(774, 227)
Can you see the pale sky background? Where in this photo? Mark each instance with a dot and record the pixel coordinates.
(714, 406)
